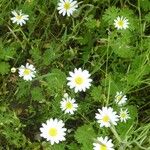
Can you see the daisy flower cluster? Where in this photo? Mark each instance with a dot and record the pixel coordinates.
(65, 7)
(106, 117)
(27, 72)
(121, 99)
(53, 130)
(79, 80)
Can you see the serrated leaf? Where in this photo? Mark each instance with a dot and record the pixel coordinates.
(49, 56)
(11, 129)
(37, 94)
(73, 146)
(7, 53)
(91, 23)
(110, 14)
(48, 146)
(56, 80)
(4, 68)
(24, 89)
(147, 17)
(85, 147)
(85, 136)
(145, 4)
(59, 146)
(122, 49)
(96, 93)
(36, 55)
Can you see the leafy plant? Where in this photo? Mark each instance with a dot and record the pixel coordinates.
(117, 60)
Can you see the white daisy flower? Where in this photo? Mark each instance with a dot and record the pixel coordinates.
(121, 23)
(79, 80)
(68, 105)
(103, 144)
(124, 115)
(120, 98)
(19, 17)
(67, 7)
(27, 72)
(53, 130)
(106, 117)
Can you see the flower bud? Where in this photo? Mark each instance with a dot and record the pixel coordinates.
(13, 70)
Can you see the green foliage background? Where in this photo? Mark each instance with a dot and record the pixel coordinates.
(118, 60)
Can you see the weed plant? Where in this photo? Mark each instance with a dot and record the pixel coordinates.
(117, 60)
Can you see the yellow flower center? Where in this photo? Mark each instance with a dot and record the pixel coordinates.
(123, 115)
(103, 147)
(79, 80)
(119, 97)
(19, 17)
(120, 23)
(52, 132)
(27, 72)
(106, 118)
(67, 5)
(69, 105)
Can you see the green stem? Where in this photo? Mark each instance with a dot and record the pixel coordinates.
(122, 144)
(121, 3)
(141, 147)
(75, 28)
(140, 21)
(107, 100)
(84, 118)
(115, 134)
(15, 36)
(43, 76)
(106, 71)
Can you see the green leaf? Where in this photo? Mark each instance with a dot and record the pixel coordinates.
(91, 23)
(110, 14)
(7, 53)
(11, 129)
(85, 136)
(50, 55)
(23, 90)
(48, 146)
(36, 55)
(59, 146)
(73, 146)
(145, 4)
(4, 68)
(96, 93)
(147, 17)
(56, 80)
(33, 146)
(37, 94)
(123, 49)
